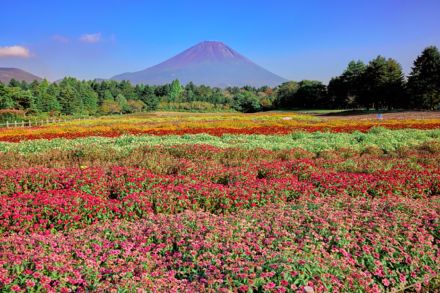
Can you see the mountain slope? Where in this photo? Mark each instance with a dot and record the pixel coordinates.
(6, 74)
(208, 63)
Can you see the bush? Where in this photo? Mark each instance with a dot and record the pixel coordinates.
(11, 115)
(135, 106)
(246, 102)
(110, 107)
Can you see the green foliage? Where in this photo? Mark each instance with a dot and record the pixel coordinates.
(378, 85)
(110, 107)
(77, 97)
(424, 80)
(134, 106)
(352, 77)
(11, 115)
(6, 101)
(122, 102)
(246, 102)
(344, 90)
(286, 93)
(338, 93)
(305, 94)
(175, 91)
(148, 96)
(383, 84)
(108, 95)
(380, 138)
(310, 94)
(45, 97)
(23, 99)
(88, 98)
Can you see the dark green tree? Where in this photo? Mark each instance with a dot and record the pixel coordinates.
(6, 101)
(127, 90)
(69, 97)
(45, 99)
(149, 98)
(344, 90)
(338, 93)
(108, 95)
(122, 102)
(383, 84)
(424, 80)
(52, 103)
(14, 83)
(352, 79)
(246, 102)
(22, 99)
(175, 91)
(285, 94)
(311, 94)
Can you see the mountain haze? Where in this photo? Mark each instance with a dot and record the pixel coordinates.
(208, 63)
(6, 74)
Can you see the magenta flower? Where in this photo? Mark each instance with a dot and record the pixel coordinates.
(269, 286)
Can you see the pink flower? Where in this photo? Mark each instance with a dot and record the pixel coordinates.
(36, 275)
(386, 282)
(269, 286)
(30, 283)
(402, 278)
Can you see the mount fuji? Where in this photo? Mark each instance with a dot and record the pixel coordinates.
(208, 63)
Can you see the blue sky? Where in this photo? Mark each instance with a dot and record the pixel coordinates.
(294, 39)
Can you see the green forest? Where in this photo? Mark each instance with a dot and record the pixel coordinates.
(380, 84)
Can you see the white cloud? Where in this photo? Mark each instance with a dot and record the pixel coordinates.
(91, 38)
(60, 39)
(14, 51)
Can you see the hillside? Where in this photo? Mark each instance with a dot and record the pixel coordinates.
(6, 74)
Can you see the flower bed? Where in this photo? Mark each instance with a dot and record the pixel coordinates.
(270, 211)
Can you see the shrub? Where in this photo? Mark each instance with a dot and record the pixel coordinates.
(11, 115)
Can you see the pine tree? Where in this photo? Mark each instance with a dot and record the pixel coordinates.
(352, 79)
(89, 98)
(383, 84)
(122, 102)
(424, 80)
(175, 91)
(6, 101)
(149, 98)
(51, 103)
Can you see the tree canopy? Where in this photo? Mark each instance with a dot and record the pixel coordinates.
(424, 80)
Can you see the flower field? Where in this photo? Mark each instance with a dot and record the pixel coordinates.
(335, 205)
(163, 124)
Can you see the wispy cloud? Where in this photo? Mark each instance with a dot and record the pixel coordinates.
(60, 39)
(91, 38)
(14, 51)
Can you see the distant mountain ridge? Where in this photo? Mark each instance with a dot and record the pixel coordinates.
(209, 63)
(6, 74)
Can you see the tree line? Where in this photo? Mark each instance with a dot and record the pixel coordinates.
(380, 84)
